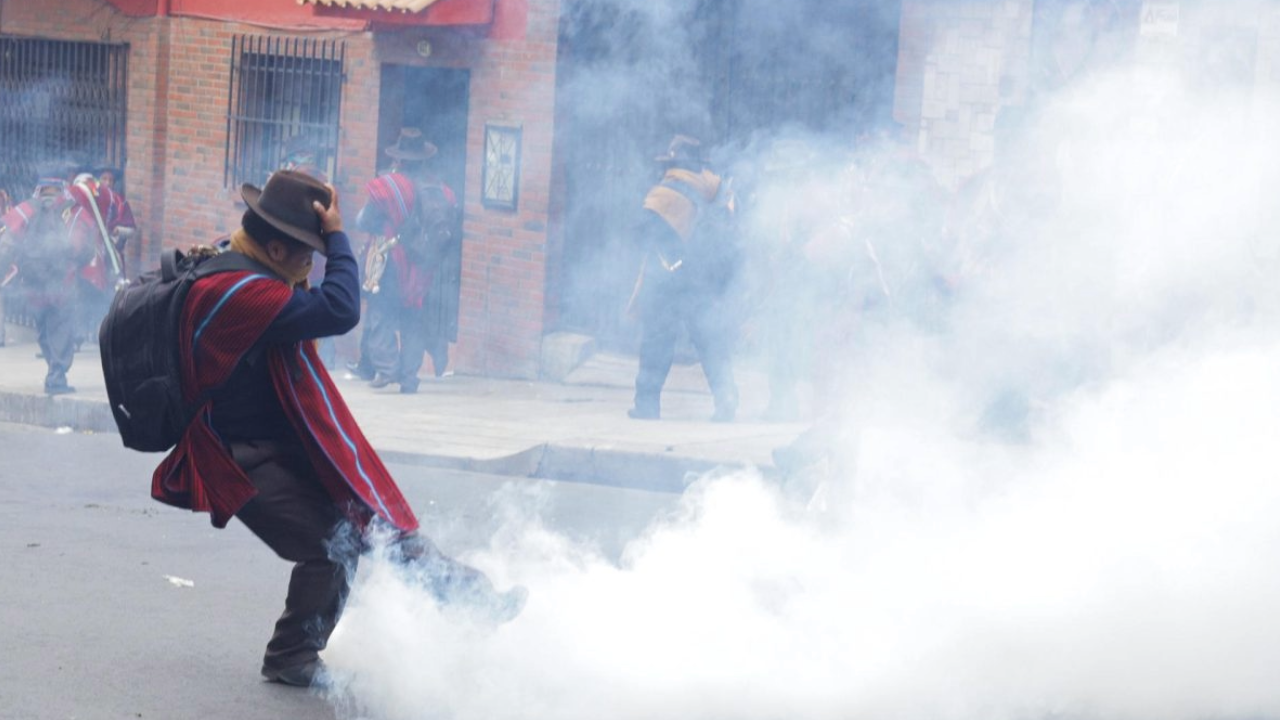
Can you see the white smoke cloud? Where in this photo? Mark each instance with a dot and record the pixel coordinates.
(1115, 558)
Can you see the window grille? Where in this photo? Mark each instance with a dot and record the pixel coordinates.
(64, 103)
(283, 91)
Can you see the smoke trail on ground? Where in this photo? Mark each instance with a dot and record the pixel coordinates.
(1059, 489)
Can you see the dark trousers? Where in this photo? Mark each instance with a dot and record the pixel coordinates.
(449, 581)
(93, 305)
(396, 341)
(665, 307)
(295, 516)
(298, 519)
(56, 334)
(363, 366)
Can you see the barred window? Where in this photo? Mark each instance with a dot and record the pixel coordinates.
(64, 103)
(285, 97)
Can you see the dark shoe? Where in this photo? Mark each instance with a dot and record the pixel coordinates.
(409, 387)
(492, 608)
(638, 413)
(799, 455)
(58, 389)
(438, 369)
(360, 371)
(380, 381)
(509, 604)
(307, 674)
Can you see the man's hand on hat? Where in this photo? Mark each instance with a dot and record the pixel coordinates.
(330, 217)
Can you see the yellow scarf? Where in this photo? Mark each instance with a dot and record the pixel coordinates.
(242, 243)
(679, 212)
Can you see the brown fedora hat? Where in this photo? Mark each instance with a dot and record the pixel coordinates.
(285, 203)
(411, 146)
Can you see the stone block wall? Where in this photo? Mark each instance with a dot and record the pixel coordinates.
(958, 64)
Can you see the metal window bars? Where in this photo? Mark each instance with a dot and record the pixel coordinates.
(283, 90)
(61, 102)
(62, 108)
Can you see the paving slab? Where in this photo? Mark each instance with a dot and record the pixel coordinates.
(576, 429)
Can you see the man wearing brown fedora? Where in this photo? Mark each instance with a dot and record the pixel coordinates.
(273, 443)
(412, 215)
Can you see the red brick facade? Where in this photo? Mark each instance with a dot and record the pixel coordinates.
(959, 63)
(179, 75)
(504, 269)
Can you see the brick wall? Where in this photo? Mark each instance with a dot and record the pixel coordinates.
(961, 61)
(179, 73)
(178, 83)
(198, 208)
(504, 253)
(95, 21)
(504, 263)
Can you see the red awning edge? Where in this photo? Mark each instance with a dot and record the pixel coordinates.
(441, 12)
(311, 14)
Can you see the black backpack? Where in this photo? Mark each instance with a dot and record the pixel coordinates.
(139, 344)
(712, 251)
(428, 231)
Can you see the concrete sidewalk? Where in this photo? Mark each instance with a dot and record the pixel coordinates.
(577, 429)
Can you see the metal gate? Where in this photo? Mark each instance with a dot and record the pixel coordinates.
(62, 109)
(283, 91)
(63, 103)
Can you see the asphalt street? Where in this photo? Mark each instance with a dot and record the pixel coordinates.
(115, 606)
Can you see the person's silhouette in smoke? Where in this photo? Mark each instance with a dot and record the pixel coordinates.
(691, 259)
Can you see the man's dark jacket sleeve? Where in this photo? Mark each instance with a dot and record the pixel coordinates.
(331, 309)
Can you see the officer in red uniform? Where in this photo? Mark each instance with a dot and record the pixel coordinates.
(48, 242)
(417, 209)
(110, 225)
(119, 214)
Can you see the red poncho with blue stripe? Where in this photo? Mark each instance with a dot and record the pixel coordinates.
(225, 315)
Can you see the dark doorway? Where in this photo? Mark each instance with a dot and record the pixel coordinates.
(435, 101)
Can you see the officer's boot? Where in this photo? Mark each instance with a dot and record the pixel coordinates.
(647, 407)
